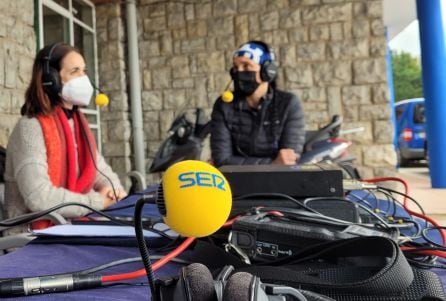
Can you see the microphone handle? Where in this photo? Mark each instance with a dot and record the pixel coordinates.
(47, 284)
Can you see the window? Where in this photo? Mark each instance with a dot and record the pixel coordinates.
(73, 22)
(399, 111)
(418, 114)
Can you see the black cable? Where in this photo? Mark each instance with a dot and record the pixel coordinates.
(142, 244)
(270, 194)
(24, 219)
(92, 156)
(425, 236)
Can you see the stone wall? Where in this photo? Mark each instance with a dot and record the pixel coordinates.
(17, 51)
(331, 53)
(115, 124)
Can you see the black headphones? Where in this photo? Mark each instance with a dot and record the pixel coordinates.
(195, 283)
(268, 71)
(51, 81)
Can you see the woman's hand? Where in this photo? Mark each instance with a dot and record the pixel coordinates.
(110, 197)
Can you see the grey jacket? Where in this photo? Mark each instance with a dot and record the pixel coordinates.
(243, 135)
(27, 184)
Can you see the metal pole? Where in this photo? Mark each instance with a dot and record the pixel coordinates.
(433, 58)
(135, 87)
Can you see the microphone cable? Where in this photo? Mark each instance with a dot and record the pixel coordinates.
(84, 133)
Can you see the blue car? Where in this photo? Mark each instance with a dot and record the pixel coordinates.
(411, 130)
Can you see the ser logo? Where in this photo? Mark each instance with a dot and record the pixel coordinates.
(199, 178)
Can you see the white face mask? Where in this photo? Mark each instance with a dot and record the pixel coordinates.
(78, 91)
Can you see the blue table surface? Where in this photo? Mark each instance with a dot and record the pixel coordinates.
(47, 259)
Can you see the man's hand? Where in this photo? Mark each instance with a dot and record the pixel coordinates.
(286, 156)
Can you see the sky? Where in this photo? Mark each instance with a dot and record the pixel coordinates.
(407, 40)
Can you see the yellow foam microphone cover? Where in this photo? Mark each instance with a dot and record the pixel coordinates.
(227, 96)
(102, 100)
(197, 198)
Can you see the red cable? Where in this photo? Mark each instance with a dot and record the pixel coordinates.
(159, 263)
(425, 252)
(405, 205)
(155, 266)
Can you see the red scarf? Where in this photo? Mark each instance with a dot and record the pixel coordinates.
(61, 152)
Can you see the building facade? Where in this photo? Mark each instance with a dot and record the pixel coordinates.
(331, 53)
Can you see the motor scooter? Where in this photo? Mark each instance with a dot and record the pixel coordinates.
(185, 142)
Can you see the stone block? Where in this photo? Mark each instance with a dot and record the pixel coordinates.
(380, 93)
(116, 149)
(166, 119)
(120, 130)
(151, 116)
(356, 95)
(369, 71)
(322, 13)
(203, 10)
(166, 47)
(311, 51)
(153, 10)
(378, 46)
(5, 101)
(161, 78)
(189, 12)
(270, 21)
(176, 20)
(156, 62)
(151, 131)
(250, 6)
(332, 73)
(174, 99)
(210, 62)
(298, 35)
(149, 49)
(383, 132)
(301, 75)
(313, 95)
(254, 26)
(241, 29)
(147, 80)
(366, 172)
(288, 56)
(349, 49)
(155, 24)
(179, 33)
(289, 18)
(377, 27)
(221, 26)
(375, 112)
(183, 83)
(375, 9)
(224, 8)
(193, 45)
(319, 32)
(336, 32)
(152, 100)
(197, 29)
(225, 43)
(334, 101)
(318, 117)
(7, 124)
(379, 155)
(351, 113)
(115, 29)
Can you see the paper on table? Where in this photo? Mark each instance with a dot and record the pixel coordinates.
(99, 231)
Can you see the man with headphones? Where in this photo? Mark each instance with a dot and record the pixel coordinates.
(262, 125)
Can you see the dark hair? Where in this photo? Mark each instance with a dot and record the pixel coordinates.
(37, 101)
(272, 53)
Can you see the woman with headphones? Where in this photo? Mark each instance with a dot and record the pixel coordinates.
(261, 125)
(51, 154)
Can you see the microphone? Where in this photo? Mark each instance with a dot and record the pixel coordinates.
(227, 95)
(101, 99)
(194, 198)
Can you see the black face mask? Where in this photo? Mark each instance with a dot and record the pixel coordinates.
(245, 82)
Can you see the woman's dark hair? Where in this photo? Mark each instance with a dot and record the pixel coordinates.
(37, 101)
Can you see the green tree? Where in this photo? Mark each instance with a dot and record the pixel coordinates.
(407, 81)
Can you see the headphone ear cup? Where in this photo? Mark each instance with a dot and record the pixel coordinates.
(51, 82)
(269, 71)
(243, 286)
(232, 72)
(195, 284)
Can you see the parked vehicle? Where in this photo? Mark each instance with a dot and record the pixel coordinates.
(410, 131)
(185, 142)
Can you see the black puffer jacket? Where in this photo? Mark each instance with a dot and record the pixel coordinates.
(242, 135)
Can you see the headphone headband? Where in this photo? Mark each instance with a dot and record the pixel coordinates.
(51, 81)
